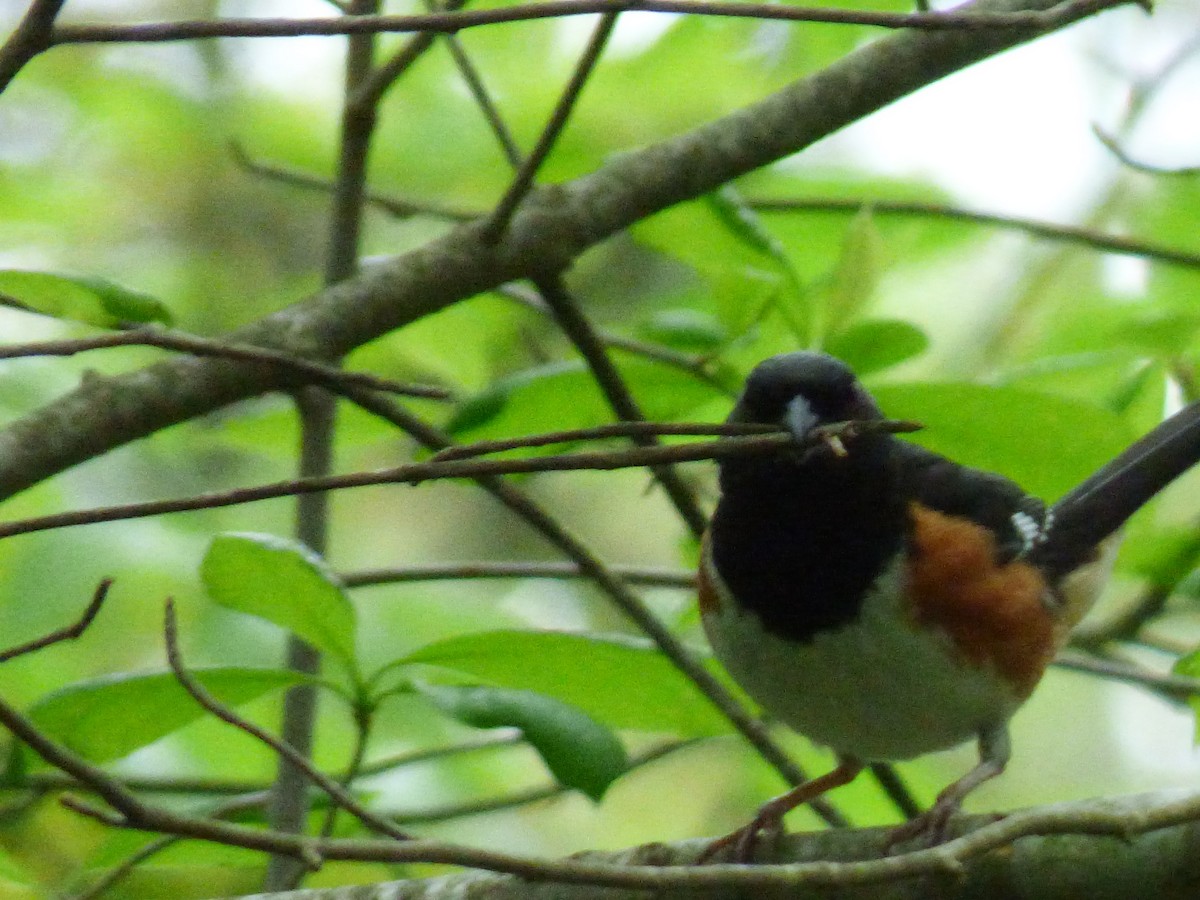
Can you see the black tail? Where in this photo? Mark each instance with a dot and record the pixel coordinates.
(1100, 505)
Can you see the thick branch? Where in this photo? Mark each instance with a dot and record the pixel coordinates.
(554, 225)
(1136, 846)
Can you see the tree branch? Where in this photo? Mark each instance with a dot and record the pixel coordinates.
(1020, 18)
(33, 34)
(415, 473)
(1107, 845)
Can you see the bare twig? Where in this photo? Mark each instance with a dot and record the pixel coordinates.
(452, 22)
(668, 578)
(1116, 818)
(211, 787)
(523, 180)
(1174, 687)
(483, 97)
(1108, 243)
(202, 696)
(362, 732)
(401, 209)
(447, 812)
(694, 364)
(415, 473)
(317, 412)
(368, 93)
(896, 789)
(318, 373)
(1128, 622)
(639, 429)
(123, 869)
(1122, 155)
(579, 331)
(528, 795)
(67, 633)
(33, 34)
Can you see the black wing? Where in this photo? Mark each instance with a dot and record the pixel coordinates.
(1017, 519)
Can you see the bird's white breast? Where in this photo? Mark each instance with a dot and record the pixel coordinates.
(877, 688)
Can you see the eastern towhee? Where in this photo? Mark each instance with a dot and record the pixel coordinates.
(886, 601)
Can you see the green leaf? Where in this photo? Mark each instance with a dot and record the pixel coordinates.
(690, 330)
(1045, 443)
(626, 684)
(16, 883)
(107, 718)
(284, 582)
(747, 226)
(579, 751)
(857, 273)
(95, 301)
(877, 344)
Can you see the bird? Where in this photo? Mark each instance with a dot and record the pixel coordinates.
(886, 601)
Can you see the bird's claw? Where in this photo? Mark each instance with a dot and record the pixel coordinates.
(744, 840)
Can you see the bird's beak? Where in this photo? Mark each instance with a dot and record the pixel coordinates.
(799, 419)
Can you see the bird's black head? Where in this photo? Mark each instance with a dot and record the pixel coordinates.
(802, 391)
(800, 534)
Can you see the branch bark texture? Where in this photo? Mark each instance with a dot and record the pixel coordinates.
(1163, 864)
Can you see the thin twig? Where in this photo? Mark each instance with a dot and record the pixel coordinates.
(123, 869)
(415, 473)
(523, 181)
(370, 91)
(647, 577)
(453, 22)
(363, 719)
(1122, 155)
(483, 97)
(578, 329)
(694, 364)
(98, 887)
(639, 429)
(33, 34)
(67, 633)
(318, 373)
(202, 696)
(401, 209)
(1127, 623)
(528, 795)
(1174, 687)
(41, 782)
(1108, 243)
(896, 789)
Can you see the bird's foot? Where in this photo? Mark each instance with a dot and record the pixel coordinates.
(745, 840)
(926, 830)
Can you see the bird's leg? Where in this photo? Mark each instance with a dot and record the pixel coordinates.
(930, 826)
(770, 814)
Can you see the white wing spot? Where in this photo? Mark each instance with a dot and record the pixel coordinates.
(1030, 530)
